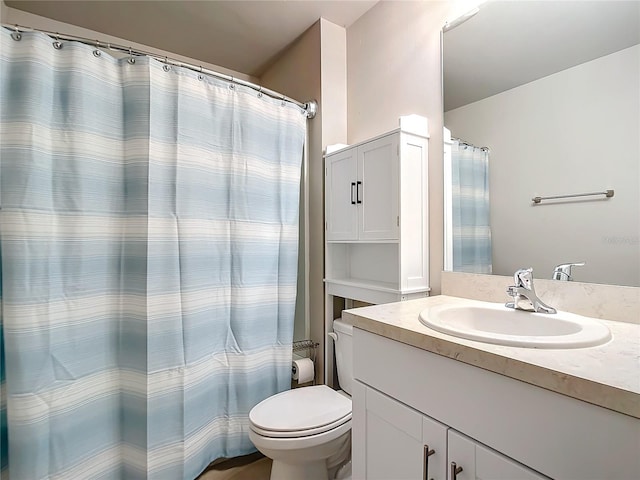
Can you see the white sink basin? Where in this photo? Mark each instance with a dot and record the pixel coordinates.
(495, 323)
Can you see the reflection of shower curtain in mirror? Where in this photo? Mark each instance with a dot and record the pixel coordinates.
(470, 203)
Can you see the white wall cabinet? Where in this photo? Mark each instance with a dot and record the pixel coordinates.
(362, 192)
(376, 216)
(499, 428)
(376, 222)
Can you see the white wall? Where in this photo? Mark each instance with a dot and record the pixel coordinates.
(315, 68)
(571, 132)
(393, 69)
(297, 75)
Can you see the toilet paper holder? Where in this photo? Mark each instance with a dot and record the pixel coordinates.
(303, 370)
(310, 346)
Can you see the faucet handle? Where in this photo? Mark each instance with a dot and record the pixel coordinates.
(563, 271)
(524, 278)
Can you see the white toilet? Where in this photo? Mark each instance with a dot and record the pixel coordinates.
(307, 431)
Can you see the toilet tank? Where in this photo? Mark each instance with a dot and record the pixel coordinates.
(343, 345)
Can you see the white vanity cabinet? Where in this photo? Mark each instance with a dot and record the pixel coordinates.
(470, 460)
(376, 216)
(396, 441)
(499, 428)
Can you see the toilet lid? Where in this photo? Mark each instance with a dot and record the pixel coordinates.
(301, 409)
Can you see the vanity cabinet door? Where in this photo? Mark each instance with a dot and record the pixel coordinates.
(478, 462)
(393, 441)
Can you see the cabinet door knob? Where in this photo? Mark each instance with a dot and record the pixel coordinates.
(425, 469)
(358, 197)
(455, 470)
(353, 187)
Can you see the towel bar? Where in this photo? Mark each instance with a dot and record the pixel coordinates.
(606, 193)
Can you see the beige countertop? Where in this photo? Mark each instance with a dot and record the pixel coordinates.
(607, 375)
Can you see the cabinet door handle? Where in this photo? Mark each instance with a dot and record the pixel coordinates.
(425, 469)
(353, 186)
(455, 470)
(358, 198)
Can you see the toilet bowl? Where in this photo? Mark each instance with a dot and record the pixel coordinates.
(300, 430)
(307, 431)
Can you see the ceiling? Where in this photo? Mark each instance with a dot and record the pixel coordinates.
(245, 36)
(508, 43)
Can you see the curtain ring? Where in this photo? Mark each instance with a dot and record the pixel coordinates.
(131, 60)
(96, 52)
(166, 66)
(283, 103)
(57, 45)
(231, 85)
(17, 36)
(260, 92)
(200, 75)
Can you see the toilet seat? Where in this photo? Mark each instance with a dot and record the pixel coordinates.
(301, 433)
(300, 412)
(318, 442)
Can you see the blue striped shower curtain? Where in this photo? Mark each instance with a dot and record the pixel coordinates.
(149, 242)
(470, 205)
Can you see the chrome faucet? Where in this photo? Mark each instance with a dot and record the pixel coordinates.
(563, 271)
(524, 295)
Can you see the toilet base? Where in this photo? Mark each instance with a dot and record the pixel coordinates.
(308, 471)
(344, 472)
(306, 458)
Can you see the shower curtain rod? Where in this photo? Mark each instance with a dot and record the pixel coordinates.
(310, 107)
(453, 139)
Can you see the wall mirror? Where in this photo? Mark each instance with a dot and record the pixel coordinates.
(551, 89)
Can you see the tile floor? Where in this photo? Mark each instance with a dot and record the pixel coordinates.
(248, 467)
